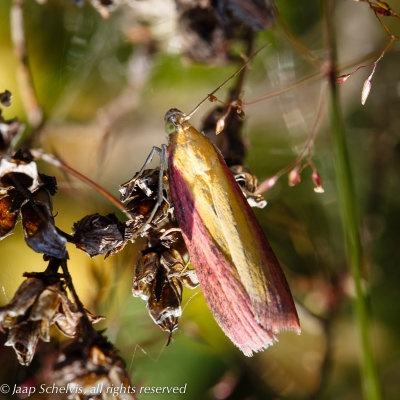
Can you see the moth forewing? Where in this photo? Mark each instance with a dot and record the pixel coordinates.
(240, 276)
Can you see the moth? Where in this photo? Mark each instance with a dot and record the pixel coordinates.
(238, 272)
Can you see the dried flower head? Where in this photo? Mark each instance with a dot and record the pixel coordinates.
(159, 275)
(248, 184)
(24, 191)
(294, 176)
(318, 182)
(88, 366)
(207, 27)
(366, 90)
(140, 195)
(99, 234)
(39, 302)
(342, 78)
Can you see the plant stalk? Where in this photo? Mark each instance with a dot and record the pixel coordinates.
(350, 218)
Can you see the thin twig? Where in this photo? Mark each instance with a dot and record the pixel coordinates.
(244, 66)
(309, 79)
(57, 162)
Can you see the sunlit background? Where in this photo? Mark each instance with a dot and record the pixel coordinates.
(105, 85)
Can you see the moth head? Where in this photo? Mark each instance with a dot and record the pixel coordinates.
(173, 118)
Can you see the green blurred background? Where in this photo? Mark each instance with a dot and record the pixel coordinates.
(87, 69)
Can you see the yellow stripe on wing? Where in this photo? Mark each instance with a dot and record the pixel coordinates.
(220, 209)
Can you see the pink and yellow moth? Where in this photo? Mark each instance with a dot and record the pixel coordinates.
(240, 276)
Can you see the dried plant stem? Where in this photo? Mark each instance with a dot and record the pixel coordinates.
(33, 110)
(57, 162)
(349, 215)
(313, 78)
(85, 323)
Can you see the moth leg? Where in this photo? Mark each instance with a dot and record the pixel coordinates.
(170, 230)
(150, 157)
(160, 196)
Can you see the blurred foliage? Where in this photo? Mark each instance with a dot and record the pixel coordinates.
(82, 63)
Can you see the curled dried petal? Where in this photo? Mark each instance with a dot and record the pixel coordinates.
(39, 302)
(145, 273)
(164, 303)
(18, 174)
(38, 223)
(22, 300)
(23, 339)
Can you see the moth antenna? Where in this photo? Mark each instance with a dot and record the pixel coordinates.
(250, 58)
